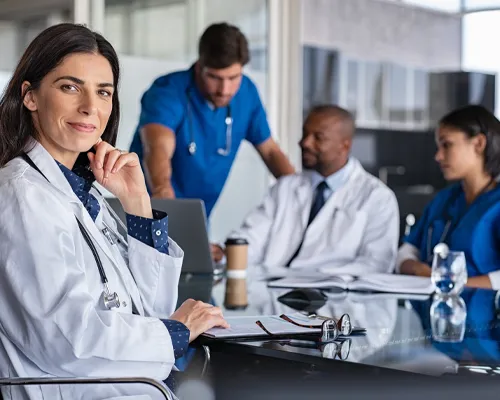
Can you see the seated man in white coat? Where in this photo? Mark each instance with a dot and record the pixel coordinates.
(333, 215)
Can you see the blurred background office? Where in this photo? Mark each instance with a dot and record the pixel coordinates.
(398, 65)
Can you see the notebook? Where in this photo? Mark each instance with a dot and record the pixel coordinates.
(387, 283)
(246, 327)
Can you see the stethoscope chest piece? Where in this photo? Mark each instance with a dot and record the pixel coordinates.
(229, 130)
(192, 148)
(111, 300)
(442, 250)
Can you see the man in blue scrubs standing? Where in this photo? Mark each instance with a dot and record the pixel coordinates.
(192, 122)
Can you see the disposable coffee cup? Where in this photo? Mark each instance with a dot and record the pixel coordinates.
(236, 297)
(236, 254)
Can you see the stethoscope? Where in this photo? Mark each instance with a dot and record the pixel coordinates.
(449, 221)
(111, 300)
(229, 129)
(442, 238)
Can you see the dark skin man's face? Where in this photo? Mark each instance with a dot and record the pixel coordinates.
(325, 143)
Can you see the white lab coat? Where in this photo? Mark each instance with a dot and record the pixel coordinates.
(356, 231)
(52, 318)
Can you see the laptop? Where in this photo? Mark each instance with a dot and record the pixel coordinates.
(187, 226)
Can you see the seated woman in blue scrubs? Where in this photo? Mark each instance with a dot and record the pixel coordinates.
(465, 215)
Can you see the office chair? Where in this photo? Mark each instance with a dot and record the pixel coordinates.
(82, 381)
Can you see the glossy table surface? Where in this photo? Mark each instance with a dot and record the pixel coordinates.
(399, 334)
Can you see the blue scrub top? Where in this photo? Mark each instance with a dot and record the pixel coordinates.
(203, 174)
(475, 229)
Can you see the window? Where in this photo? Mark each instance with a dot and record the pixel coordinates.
(479, 41)
(170, 29)
(478, 4)
(452, 6)
(373, 90)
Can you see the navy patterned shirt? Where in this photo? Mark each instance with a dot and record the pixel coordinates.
(153, 232)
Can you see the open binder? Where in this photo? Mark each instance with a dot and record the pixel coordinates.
(283, 327)
(387, 283)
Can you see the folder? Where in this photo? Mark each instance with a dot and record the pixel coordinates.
(246, 327)
(387, 283)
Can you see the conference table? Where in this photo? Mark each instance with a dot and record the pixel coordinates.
(407, 351)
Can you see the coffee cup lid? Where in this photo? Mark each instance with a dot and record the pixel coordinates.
(233, 241)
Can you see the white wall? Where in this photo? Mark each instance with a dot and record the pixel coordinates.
(171, 31)
(4, 79)
(249, 15)
(384, 31)
(151, 32)
(137, 74)
(8, 43)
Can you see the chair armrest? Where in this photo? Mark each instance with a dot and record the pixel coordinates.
(82, 381)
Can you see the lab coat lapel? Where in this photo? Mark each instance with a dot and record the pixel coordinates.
(351, 189)
(125, 273)
(340, 198)
(304, 195)
(98, 237)
(47, 165)
(45, 162)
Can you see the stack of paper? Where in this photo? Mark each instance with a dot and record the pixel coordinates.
(388, 283)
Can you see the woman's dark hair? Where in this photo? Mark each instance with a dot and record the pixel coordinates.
(222, 45)
(44, 54)
(474, 120)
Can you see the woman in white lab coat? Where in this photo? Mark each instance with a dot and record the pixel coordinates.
(58, 241)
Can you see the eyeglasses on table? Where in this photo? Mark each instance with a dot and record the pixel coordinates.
(330, 328)
(340, 348)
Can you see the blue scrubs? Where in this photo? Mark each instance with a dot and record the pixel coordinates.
(474, 229)
(203, 174)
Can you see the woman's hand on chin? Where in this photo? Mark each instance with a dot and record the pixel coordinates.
(120, 173)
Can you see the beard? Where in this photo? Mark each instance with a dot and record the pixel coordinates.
(219, 101)
(309, 160)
